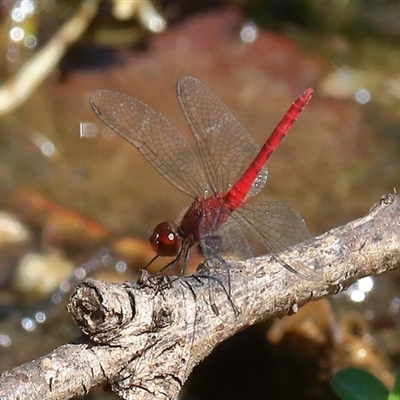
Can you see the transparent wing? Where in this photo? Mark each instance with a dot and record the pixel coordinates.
(277, 225)
(226, 147)
(228, 242)
(221, 247)
(167, 150)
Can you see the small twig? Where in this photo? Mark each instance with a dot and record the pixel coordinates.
(18, 88)
(144, 338)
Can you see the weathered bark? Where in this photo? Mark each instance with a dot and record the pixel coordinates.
(144, 338)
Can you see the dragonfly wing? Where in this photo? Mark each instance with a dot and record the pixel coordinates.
(221, 247)
(277, 225)
(167, 150)
(227, 241)
(225, 146)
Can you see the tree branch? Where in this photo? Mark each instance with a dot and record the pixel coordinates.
(144, 338)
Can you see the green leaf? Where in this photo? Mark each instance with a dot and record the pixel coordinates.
(395, 394)
(358, 384)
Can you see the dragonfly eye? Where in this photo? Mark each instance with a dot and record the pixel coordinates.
(164, 240)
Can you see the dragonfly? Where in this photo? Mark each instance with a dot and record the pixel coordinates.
(220, 173)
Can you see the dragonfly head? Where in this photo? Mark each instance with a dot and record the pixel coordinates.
(165, 241)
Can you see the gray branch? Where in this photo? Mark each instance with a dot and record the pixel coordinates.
(144, 338)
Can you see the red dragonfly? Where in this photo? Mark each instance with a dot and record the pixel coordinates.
(230, 168)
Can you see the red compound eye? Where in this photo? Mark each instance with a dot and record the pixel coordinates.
(164, 240)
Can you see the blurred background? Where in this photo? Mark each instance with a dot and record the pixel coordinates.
(77, 201)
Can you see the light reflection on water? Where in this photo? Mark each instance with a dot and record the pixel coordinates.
(46, 309)
(20, 27)
(358, 291)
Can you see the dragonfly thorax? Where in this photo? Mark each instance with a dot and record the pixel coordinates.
(204, 215)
